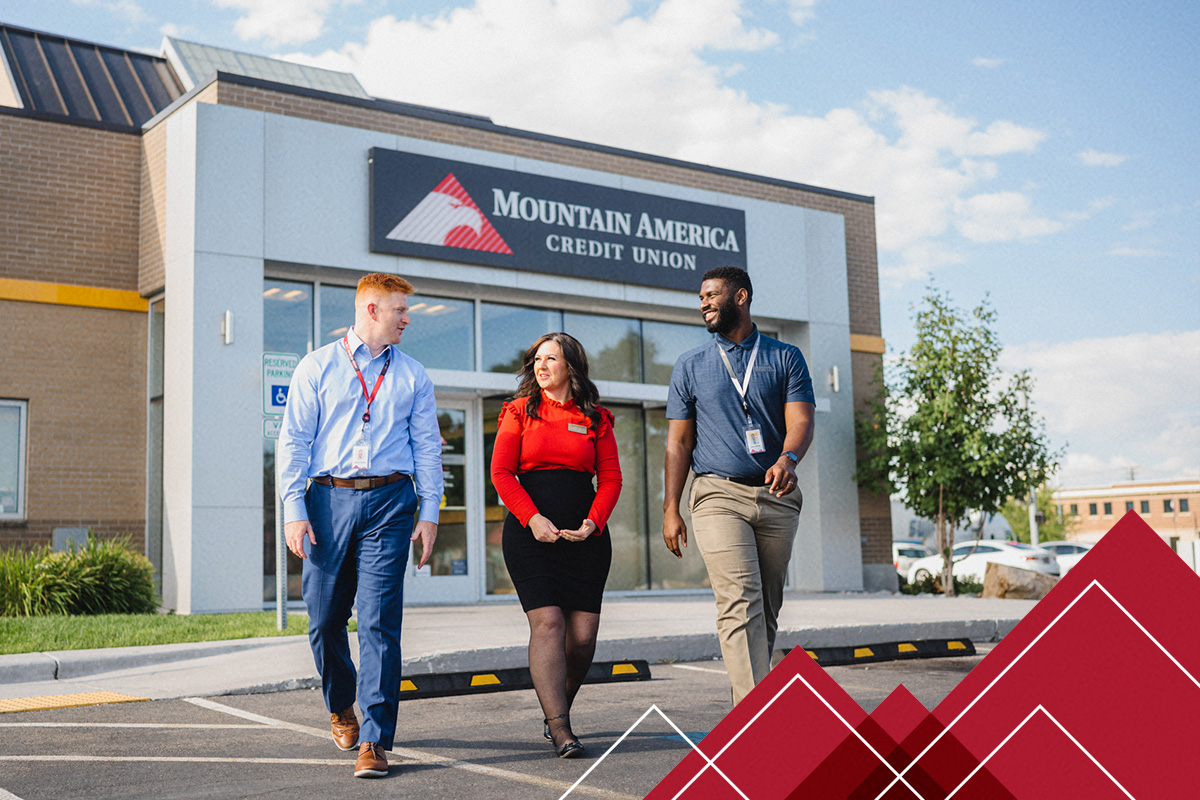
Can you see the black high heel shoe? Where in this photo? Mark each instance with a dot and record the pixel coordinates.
(570, 748)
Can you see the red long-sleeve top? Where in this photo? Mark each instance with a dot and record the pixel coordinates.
(562, 437)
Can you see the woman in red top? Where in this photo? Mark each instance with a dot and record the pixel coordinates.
(552, 439)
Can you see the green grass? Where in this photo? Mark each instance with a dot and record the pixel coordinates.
(37, 634)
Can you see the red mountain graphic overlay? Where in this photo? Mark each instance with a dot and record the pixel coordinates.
(1095, 694)
(448, 217)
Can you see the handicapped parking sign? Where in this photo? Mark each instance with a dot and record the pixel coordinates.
(277, 369)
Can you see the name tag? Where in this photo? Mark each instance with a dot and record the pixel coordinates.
(573, 428)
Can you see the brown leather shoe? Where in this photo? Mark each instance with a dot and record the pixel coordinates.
(345, 729)
(371, 763)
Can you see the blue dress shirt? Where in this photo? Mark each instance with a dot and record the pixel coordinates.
(702, 391)
(323, 420)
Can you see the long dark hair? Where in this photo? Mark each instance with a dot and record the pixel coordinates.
(583, 391)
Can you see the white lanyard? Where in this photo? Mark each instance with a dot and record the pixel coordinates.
(744, 386)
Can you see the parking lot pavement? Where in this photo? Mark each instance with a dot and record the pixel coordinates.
(278, 745)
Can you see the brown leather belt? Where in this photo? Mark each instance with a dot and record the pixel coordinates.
(361, 484)
(752, 480)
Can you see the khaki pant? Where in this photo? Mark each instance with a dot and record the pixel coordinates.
(745, 535)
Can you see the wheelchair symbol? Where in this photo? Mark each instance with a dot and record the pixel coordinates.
(279, 395)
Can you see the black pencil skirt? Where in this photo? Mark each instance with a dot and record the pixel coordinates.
(569, 575)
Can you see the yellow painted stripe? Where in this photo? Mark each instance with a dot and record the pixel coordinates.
(908, 648)
(66, 295)
(407, 686)
(861, 343)
(956, 646)
(624, 669)
(863, 652)
(484, 680)
(43, 702)
(811, 653)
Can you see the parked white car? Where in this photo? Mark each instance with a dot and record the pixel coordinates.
(1067, 553)
(971, 560)
(905, 552)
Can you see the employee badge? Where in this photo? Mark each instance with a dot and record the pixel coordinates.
(360, 454)
(754, 440)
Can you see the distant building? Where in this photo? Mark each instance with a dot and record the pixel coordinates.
(1169, 507)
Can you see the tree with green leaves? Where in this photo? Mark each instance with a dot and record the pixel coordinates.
(949, 431)
(1053, 529)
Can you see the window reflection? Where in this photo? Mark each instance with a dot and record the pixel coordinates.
(663, 343)
(613, 345)
(509, 330)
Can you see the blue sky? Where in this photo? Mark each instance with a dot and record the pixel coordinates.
(1042, 154)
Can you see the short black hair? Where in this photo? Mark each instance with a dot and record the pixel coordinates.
(735, 278)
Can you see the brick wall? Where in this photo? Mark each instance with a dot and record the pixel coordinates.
(68, 204)
(153, 217)
(86, 389)
(874, 510)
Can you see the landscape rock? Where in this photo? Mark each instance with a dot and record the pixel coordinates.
(1013, 583)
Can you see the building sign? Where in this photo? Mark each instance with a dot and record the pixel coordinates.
(451, 210)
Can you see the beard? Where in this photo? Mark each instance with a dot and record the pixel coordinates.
(726, 319)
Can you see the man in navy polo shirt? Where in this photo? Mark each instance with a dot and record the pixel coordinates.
(740, 414)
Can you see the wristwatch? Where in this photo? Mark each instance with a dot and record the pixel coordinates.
(792, 457)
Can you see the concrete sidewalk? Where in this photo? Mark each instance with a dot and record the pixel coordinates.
(491, 636)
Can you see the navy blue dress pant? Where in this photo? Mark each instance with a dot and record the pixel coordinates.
(361, 552)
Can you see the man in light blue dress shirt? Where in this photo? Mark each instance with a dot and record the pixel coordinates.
(361, 423)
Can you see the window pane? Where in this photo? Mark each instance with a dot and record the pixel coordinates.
(287, 328)
(10, 459)
(1091, 509)
(613, 345)
(627, 525)
(1129, 505)
(666, 571)
(1145, 506)
(1168, 506)
(337, 313)
(287, 317)
(441, 334)
(498, 581)
(663, 343)
(450, 554)
(1108, 509)
(1183, 505)
(509, 330)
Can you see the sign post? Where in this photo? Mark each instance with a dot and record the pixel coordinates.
(277, 369)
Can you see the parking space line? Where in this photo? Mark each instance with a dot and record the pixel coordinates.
(700, 669)
(217, 725)
(420, 756)
(8, 795)
(334, 762)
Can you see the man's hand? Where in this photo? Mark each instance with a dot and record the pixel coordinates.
(295, 532)
(782, 477)
(581, 535)
(674, 532)
(543, 529)
(426, 531)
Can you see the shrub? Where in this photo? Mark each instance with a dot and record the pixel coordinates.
(933, 585)
(103, 577)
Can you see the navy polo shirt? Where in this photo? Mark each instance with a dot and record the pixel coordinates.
(702, 390)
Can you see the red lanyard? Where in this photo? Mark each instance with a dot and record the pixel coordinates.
(370, 397)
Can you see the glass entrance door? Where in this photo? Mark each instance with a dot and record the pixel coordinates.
(450, 574)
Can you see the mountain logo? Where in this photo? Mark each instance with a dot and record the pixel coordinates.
(448, 217)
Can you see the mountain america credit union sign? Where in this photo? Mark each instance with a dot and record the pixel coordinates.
(451, 210)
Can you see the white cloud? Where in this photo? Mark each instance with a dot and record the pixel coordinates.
(1095, 206)
(1141, 219)
(129, 10)
(801, 11)
(1119, 402)
(635, 75)
(987, 63)
(279, 23)
(1137, 252)
(1001, 217)
(1094, 158)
